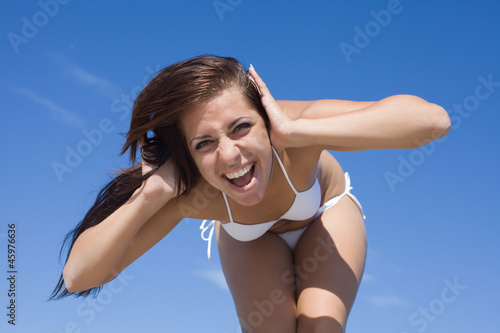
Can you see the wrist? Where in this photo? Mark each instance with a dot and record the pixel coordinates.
(298, 134)
(151, 201)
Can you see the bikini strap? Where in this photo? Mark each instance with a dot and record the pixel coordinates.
(228, 208)
(210, 228)
(347, 191)
(284, 171)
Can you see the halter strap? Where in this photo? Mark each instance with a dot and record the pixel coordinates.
(284, 172)
(228, 208)
(211, 227)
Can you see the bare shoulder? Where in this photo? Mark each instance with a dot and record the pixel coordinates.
(328, 166)
(308, 163)
(330, 175)
(203, 202)
(301, 165)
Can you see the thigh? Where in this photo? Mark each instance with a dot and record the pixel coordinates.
(260, 277)
(330, 258)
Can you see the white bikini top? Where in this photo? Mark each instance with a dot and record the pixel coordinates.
(304, 206)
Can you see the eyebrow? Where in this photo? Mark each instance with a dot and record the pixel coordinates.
(231, 125)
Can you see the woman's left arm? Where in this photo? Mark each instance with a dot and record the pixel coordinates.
(400, 121)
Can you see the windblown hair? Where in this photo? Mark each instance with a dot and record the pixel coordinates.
(156, 130)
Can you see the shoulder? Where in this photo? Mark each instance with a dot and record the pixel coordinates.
(301, 165)
(328, 166)
(203, 202)
(305, 164)
(330, 175)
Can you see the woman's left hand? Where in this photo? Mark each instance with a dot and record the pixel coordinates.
(281, 124)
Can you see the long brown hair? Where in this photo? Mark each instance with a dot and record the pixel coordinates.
(156, 129)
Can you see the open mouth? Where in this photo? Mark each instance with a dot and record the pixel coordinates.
(242, 177)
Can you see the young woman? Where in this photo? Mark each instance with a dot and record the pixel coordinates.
(290, 233)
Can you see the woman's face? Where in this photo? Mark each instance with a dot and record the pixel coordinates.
(228, 141)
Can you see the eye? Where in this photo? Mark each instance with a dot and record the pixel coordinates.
(242, 126)
(202, 144)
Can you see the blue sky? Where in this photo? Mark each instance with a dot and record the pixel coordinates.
(70, 70)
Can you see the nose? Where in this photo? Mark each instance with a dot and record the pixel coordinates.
(228, 151)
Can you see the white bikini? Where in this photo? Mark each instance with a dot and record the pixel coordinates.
(305, 205)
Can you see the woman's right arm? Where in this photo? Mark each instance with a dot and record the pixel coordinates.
(101, 252)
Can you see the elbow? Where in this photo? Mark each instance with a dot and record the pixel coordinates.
(74, 282)
(70, 281)
(440, 122)
(437, 125)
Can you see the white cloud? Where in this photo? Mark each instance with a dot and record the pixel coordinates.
(56, 112)
(216, 277)
(367, 277)
(101, 85)
(388, 300)
(79, 75)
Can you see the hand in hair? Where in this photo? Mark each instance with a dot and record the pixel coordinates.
(281, 123)
(161, 185)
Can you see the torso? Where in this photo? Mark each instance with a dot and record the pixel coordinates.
(303, 166)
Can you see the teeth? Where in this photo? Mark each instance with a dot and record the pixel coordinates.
(240, 173)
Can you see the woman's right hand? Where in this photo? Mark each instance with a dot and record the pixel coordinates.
(121, 237)
(161, 186)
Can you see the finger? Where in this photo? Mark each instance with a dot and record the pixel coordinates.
(268, 100)
(259, 82)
